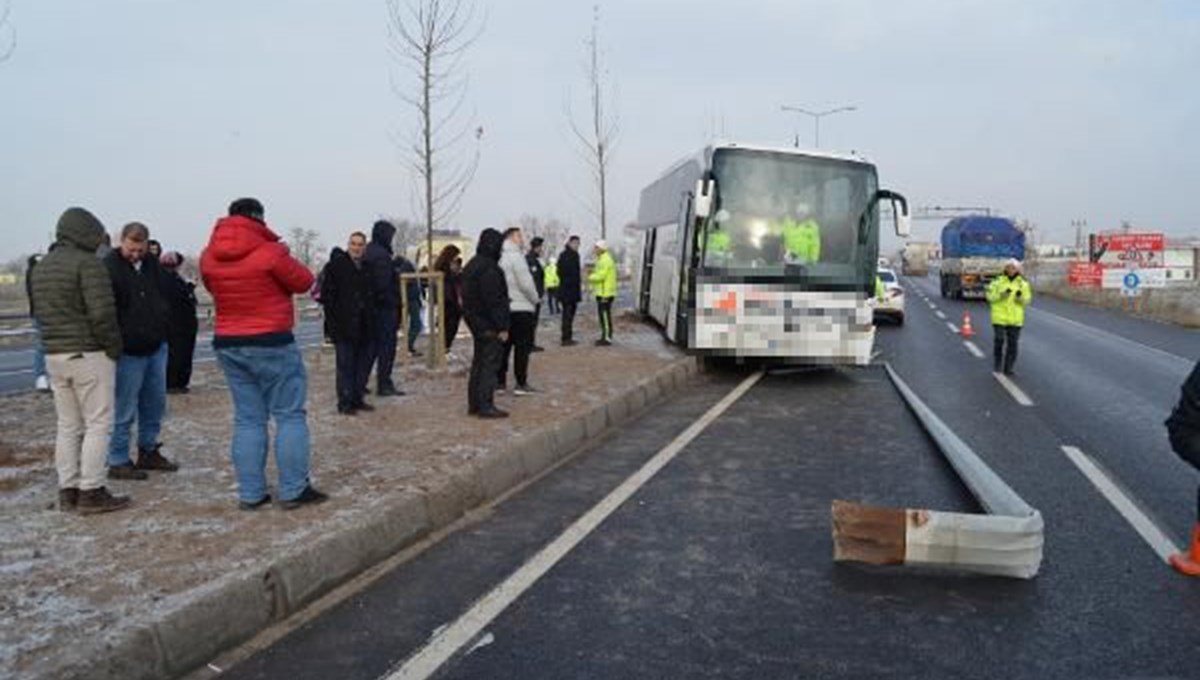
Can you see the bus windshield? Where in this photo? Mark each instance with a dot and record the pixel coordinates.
(781, 212)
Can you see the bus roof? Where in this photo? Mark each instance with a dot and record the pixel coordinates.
(706, 153)
(815, 153)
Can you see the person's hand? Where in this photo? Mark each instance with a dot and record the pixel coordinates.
(502, 336)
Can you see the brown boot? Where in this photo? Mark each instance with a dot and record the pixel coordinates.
(96, 501)
(69, 499)
(152, 459)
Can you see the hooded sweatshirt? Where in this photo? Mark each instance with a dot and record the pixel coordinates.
(522, 291)
(379, 261)
(485, 293)
(252, 278)
(72, 292)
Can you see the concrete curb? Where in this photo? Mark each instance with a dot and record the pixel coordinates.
(235, 608)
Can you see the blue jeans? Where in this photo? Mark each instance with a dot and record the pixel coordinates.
(414, 324)
(268, 382)
(141, 394)
(39, 351)
(384, 348)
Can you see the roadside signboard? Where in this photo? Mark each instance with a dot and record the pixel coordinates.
(1134, 279)
(1130, 251)
(1085, 275)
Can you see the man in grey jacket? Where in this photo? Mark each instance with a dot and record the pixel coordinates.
(522, 304)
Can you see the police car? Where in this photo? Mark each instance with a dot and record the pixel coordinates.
(891, 307)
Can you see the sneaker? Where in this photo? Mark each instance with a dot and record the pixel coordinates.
(96, 501)
(152, 459)
(491, 414)
(524, 390)
(569, 343)
(347, 411)
(250, 507)
(309, 496)
(42, 384)
(389, 391)
(362, 406)
(538, 348)
(68, 499)
(127, 471)
(603, 343)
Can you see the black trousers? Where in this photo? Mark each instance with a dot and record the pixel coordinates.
(568, 320)
(384, 347)
(353, 367)
(180, 350)
(453, 319)
(552, 301)
(485, 366)
(520, 346)
(605, 305)
(1004, 343)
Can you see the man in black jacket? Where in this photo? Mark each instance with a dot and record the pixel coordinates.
(346, 295)
(1183, 429)
(485, 306)
(142, 368)
(182, 325)
(534, 258)
(386, 315)
(569, 288)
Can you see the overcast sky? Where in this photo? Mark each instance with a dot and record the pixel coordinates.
(164, 110)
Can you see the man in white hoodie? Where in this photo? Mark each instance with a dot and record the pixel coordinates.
(522, 304)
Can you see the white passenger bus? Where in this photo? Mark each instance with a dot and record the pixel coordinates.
(768, 253)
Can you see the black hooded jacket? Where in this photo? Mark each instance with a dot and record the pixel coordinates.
(346, 295)
(485, 294)
(1183, 427)
(378, 260)
(570, 282)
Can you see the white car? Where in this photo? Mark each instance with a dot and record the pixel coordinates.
(892, 305)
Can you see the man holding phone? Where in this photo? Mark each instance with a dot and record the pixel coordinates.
(1008, 296)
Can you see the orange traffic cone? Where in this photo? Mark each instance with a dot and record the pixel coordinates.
(1188, 563)
(966, 330)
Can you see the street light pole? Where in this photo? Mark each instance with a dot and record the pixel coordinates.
(816, 116)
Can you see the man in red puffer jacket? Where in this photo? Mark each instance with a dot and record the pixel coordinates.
(252, 278)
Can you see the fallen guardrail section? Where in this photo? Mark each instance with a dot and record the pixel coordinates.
(1007, 541)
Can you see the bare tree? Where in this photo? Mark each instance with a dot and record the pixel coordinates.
(8, 34)
(428, 38)
(407, 234)
(305, 245)
(599, 135)
(553, 231)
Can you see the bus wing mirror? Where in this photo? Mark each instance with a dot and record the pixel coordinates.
(899, 212)
(702, 200)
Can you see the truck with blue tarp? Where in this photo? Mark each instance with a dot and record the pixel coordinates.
(974, 250)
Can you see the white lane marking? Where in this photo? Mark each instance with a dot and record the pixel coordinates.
(446, 643)
(1016, 392)
(940, 314)
(10, 374)
(1113, 336)
(931, 305)
(1158, 540)
(952, 327)
(973, 349)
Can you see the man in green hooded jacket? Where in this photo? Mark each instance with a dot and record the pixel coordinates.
(74, 305)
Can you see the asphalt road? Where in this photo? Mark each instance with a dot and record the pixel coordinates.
(720, 565)
(16, 363)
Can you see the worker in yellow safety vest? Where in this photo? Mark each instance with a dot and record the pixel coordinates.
(550, 278)
(603, 281)
(1008, 295)
(801, 236)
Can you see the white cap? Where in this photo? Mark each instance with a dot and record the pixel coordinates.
(602, 244)
(1013, 262)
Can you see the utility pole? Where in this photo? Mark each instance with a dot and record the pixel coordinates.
(816, 116)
